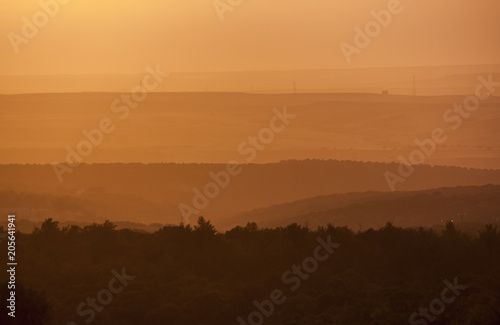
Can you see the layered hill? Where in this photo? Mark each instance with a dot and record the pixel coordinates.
(470, 206)
(150, 193)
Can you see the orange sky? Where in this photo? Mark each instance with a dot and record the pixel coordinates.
(124, 36)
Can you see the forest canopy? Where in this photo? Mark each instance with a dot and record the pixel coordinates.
(197, 275)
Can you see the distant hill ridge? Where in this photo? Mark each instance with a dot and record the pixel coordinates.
(472, 205)
(123, 188)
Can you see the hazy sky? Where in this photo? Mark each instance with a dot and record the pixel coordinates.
(124, 36)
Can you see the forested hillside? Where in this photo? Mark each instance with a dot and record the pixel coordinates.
(196, 275)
